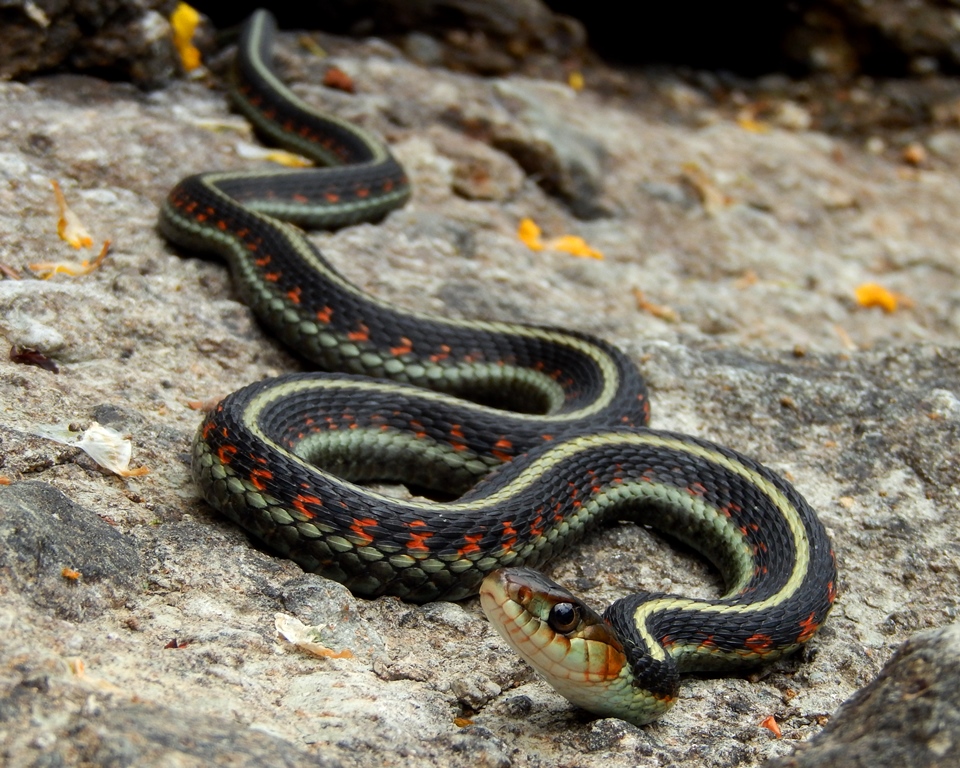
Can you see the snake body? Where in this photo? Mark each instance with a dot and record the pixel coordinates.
(538, 433)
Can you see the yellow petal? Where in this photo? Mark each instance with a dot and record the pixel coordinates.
(875, 295)
(68, 225)
(575, 245)
(48, 269)
(529, 234)
(184, 21)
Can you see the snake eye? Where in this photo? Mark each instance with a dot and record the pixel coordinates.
(564, 617)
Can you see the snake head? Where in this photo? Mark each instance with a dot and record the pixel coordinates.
(579, 653)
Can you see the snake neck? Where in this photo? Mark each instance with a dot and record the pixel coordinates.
(652, 671)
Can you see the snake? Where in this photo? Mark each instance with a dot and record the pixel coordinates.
(523, 438)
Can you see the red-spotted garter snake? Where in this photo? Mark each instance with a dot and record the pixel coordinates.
(557, 446)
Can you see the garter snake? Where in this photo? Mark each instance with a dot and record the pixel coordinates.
(538, 434)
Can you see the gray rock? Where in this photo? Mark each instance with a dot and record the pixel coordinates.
(909, 715)
(130, 39)
(63, 556)
(73, 728)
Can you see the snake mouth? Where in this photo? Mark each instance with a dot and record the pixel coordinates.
(553, 631)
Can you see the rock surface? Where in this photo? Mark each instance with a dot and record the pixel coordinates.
(910, 715)
(140, 627)
(127, 39)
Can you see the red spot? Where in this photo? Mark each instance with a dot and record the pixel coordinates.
(443, 354)
(502, 450)
(294, 295)
(472, 544)
(771, 724)
(509, 535)
(332, 197)
(337, 78)
(731, 509)
(272, 276)
(808, 627)
(418, 541)
(257, 476)
(359, 527)
(405, 347)
(457, 438)
(301, 501)
(707, 644)
(831, 592)
(300, 198)
(361, 334)
(696, 489)
(225, 453)
(417, 428)
(759, 642)
(536, 527)
(324, 315)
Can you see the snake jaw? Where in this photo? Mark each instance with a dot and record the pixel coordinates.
(585, 661)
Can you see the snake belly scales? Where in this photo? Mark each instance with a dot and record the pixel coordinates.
(537, 433)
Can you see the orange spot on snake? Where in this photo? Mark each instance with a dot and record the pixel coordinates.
(405, 347)
(361, 334)
(707, 644)
(443, 354)
(301, 501)
(418, 541)
(509, 535)
(472, 545)
(807, 628)
(759, 642)
(257, 476)
(359, 527)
